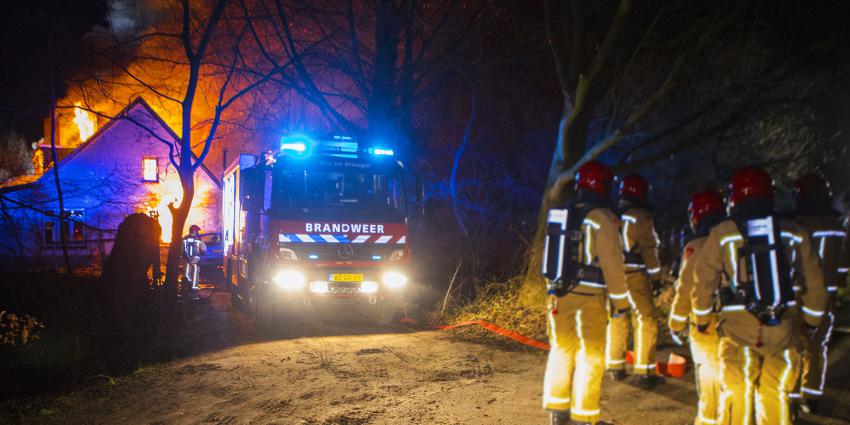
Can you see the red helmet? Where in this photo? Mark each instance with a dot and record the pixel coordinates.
(705, 203)
(810, 185)
(634, 185)
(194, 229)
(750, 183)
(595, 177)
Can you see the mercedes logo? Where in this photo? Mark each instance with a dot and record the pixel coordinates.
(345, 251)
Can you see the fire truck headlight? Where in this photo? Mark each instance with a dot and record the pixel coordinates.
(289, 280)
(368, 287)
(319, 287)
(394, 279)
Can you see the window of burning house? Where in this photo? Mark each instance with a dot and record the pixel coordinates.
(72, 228)
(314, 189)
(150, 170)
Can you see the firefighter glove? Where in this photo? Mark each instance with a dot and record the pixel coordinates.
(678, 337)
(809, 331)
(657, 287)
(619, 313)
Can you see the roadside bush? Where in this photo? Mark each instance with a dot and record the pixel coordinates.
(499, 303)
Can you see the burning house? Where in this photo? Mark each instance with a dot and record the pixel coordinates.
(119, 169)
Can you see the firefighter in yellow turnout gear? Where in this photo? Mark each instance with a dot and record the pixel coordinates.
(748, 261)
(591, 272)
(706, 209)
(817, 217)
(643, 280)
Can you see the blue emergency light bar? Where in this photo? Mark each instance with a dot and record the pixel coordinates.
(296, 144)
(381, 151)
(295, 147)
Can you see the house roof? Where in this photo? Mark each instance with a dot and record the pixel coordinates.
(139, 101)
(18, 182)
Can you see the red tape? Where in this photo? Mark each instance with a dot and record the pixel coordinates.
(522, 339)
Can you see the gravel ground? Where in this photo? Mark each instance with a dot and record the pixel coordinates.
(358, 374)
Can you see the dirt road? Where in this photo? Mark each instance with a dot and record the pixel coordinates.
(351, 375)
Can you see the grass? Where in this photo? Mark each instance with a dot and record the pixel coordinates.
(519, 305)
(501, 304)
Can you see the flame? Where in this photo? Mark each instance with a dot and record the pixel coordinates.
(170, 190)
(85, 122)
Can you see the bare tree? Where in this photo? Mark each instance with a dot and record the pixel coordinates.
(364, 64)
(646, 82)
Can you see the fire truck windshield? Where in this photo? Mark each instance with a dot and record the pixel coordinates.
(296, 192)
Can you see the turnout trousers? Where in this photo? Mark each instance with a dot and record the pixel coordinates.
(192, 269)
(706, 372)
(576, 363)
(644, 320)
(815, 359)
(755, 385)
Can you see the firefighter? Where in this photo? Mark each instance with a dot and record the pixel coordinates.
(749, 261)
(193, 249)
(577, 303)
(815, 214)
(706, 209)
(643, 280)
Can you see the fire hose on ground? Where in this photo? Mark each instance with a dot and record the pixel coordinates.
(675, 367)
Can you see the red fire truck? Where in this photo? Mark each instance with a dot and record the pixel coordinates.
(318, 222)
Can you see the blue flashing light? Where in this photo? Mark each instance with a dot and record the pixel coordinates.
(313, 256)
(297, 147)
(381, 151)
(376, 257)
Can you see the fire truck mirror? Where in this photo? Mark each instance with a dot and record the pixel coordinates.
(252, 195)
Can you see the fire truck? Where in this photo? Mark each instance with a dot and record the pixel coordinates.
(318, 222)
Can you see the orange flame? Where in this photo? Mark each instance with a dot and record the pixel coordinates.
(170, 190)
(85, 122)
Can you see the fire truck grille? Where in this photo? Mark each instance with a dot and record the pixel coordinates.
(342, 252)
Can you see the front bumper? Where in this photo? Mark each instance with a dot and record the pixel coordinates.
(328, 285)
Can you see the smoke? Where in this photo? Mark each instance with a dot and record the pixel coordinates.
(127, 18)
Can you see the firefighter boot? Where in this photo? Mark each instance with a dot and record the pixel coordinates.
(648, 382)
(810, 406)
(616, 375)
(559, 417)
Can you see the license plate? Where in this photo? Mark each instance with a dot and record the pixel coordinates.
(346, 277)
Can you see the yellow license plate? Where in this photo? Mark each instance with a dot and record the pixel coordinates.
(346, 277)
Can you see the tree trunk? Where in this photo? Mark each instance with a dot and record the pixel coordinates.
(179, 215)
(568, 150)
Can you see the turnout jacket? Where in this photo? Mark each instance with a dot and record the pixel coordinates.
(681, 310)
(719, 264)
(601, 247)
(828, 238)
(639, 238)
